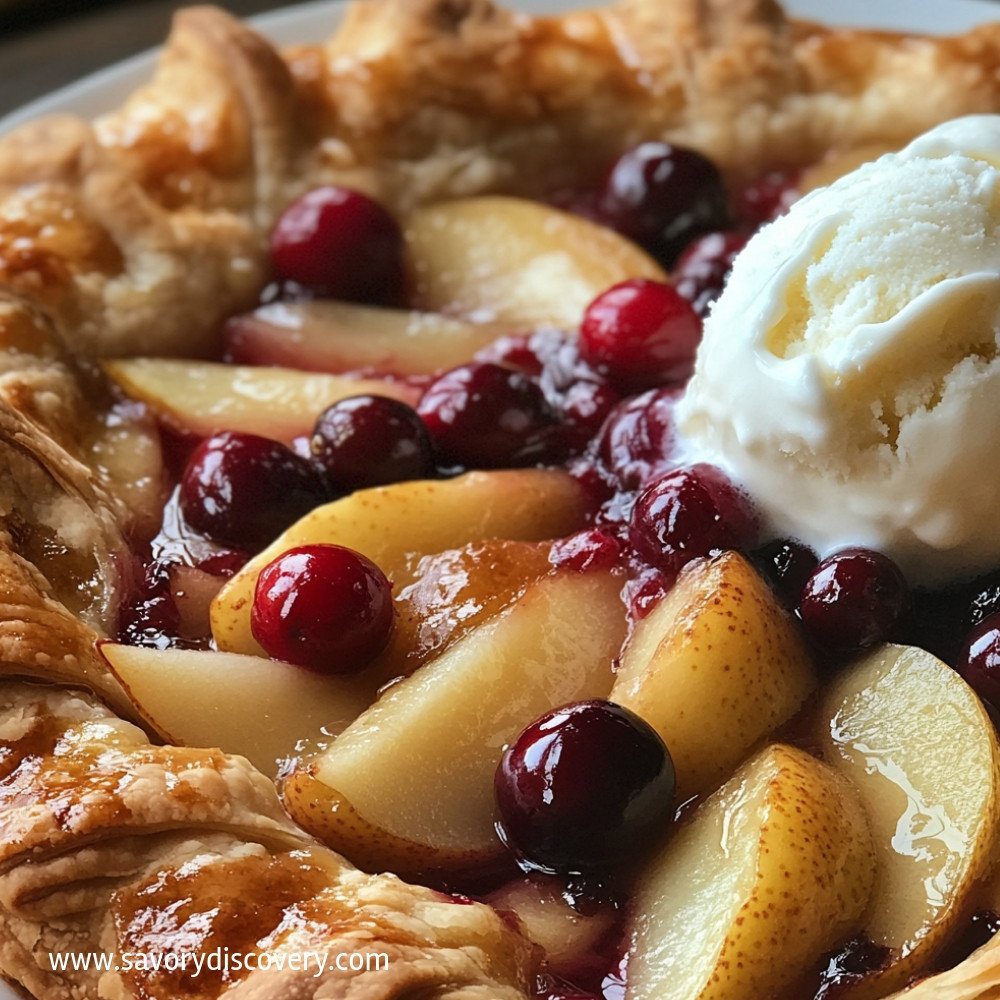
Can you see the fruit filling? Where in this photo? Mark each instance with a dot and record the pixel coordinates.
(443, 485)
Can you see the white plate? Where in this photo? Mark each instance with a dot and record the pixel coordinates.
(105, 90)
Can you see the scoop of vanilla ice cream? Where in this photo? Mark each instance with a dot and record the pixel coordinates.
(849, 375)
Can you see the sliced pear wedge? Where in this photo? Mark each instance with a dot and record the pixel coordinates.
(921, 750)
(203, 397)
(396, 525)
(516, 262)
(262, 709)
(325, 336)
(716, 667)
(768, 874)
(409, 786)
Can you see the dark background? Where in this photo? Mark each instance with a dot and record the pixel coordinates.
(45, 44)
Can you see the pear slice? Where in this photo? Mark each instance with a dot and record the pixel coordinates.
(768, 874)
(409, 786)
(517, 262)
(203, 397)
(325, 336)
(919, 746)
(396, 525)
(715, 668)
(265, 710)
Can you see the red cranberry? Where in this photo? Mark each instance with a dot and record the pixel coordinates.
(586, 550)
(583, 787)
(690, 512)
(642, 333)
(662, 196)
(487, 416)
(638, 440)
(786, 564)
(524, 352)
(703, 269)
(323, 607)
(853, 599)
(766, 198)
(341, 243)
(371, 441)
(244, 490)
(979, 660)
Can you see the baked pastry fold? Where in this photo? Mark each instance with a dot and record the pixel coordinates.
(139, 234)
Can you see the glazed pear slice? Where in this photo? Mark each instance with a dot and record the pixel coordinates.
(716, 667)
(327, 336)
(408, 787)
(769, 873)
(262, 709)
(203, 397)
(517, 262)
(396, 525)
(922, 752)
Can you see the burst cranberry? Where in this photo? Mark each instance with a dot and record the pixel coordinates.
(642, 333)
(488, 416)
(787, 564)
(583, 787)
(586, 550)
(766, 198)
(371, 441)
(340, 243)
(853, 599)
(244, 490)
(690, 512)
(662, 196)
(979, 660)
(638, 440)
(703, 268)
(323, 607)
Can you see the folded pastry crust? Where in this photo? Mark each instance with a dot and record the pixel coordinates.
(138, 234)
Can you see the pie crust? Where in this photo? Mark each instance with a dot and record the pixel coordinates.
(138, 234)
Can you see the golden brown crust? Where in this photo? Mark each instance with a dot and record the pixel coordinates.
(112, 845)
(140, 233)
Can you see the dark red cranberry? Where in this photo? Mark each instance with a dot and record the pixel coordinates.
(524, 352)
(638, 440)
(488, 416)
(583, 787)
(371, 441)
(853, 599)
(324, 607)
(244, 490)
(703, 269)
(979, 660)
(645, 589)
(586, 550)
(690, 512)
(786, 564)
(642, 333)
(662, 196)
(766, 198)
(340, 243)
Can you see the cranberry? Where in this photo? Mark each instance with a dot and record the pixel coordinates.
(371, 441)
(244, 490)
(324, 607)
(638, 439)
(642, 333)
(662, 196)
(690, 512)
(487, 416)
(786, 564)
(341, 243)
(583, 787)
(853, 599)
(586, 550)
(703, 269)
(979, 660)
(766, 198)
